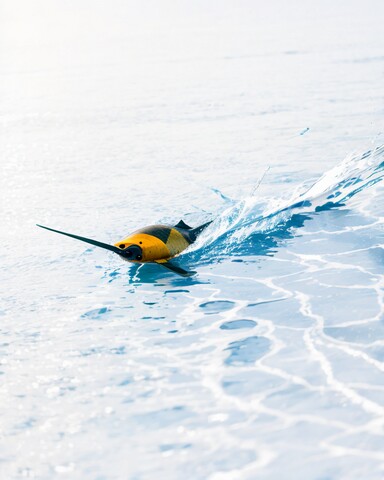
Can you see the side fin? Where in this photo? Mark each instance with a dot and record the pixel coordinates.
(182, 224)
(175, 268)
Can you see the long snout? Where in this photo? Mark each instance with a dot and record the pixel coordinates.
(86, 240)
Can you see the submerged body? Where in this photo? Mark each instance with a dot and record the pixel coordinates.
(155, 243)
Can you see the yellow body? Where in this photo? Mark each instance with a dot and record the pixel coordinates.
(154, 249)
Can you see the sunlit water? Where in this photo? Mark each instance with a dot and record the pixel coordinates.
(267, 119)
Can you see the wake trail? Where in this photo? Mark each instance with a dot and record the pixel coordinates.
(251, 221)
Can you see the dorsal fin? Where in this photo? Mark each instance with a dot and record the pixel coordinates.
(182, 224)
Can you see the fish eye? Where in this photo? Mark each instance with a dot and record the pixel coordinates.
(122, 245)
(141, 243)
(139, 257)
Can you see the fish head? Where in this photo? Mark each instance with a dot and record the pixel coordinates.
(130, 251)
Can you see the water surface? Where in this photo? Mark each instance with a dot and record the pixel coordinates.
(267, 118)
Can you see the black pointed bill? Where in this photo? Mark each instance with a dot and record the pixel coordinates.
(86, 240)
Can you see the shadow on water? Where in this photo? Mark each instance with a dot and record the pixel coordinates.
(154, 275)
(159, 276)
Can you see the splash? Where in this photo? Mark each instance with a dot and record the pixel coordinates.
(255, 226)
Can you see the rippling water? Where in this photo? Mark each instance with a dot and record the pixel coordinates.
(265, 118)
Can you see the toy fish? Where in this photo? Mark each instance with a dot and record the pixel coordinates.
(153, 244)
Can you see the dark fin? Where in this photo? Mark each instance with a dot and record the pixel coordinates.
(86, 240)
(195, 232)
(182, 224)
(176, 269)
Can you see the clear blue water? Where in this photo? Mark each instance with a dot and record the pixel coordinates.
(266, 118)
